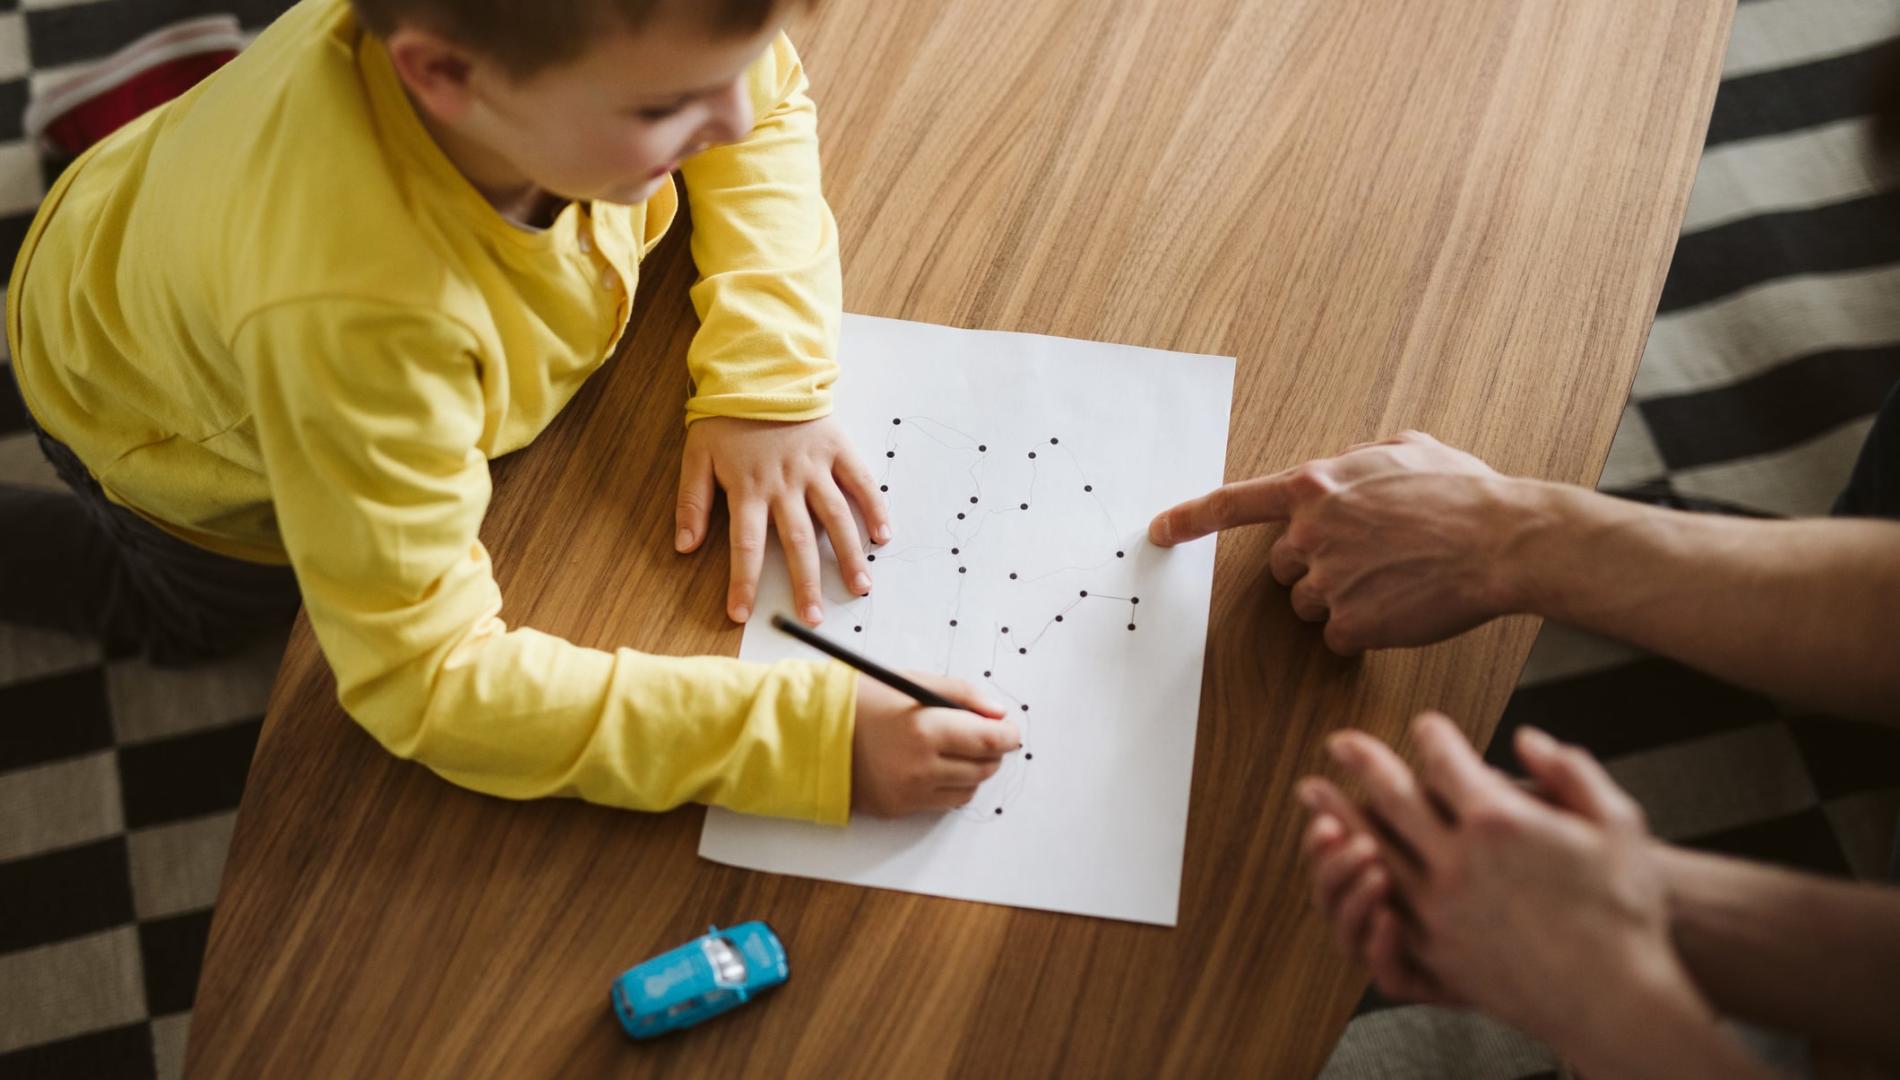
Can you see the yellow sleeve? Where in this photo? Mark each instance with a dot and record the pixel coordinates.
(368, 415)
(769, 295)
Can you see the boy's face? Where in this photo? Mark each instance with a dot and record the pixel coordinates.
(610, 124)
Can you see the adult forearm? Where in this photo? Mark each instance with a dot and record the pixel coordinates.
(1806, 610)
(1795, 951)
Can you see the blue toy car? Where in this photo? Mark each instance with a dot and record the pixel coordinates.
(712, 974)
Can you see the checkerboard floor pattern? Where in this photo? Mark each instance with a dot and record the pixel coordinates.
(1777, 335)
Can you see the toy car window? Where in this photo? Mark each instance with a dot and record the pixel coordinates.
(728, 966)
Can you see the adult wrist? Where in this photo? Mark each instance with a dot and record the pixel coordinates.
(1531, 531)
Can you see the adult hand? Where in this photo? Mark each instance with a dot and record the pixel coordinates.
(1551, 916)
(1399, 542)
(787, 473)
(906, 757)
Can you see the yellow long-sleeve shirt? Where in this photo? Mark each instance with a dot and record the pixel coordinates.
(273, 318)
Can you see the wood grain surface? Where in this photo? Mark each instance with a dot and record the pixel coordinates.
(1446, 214)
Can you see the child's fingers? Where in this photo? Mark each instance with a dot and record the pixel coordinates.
(857, 482)
(962, 772)
(961, 692)
(800, 540)
(835, 515)
(975, 738)
(694, 508)
(951, 798)
(748, 555)
(1392, 968)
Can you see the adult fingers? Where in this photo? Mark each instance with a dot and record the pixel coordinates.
(1309, 600)
(796, 535)
(1287, 563)
(1392, 791)
(1351, 918)
(1451, 770)
(1264, 498)
(693, 509)
(1339, 868)
(863, 489)
(748, 555)
(1574, 781)
(1392, 968)
(835, 515)
(1320, 796)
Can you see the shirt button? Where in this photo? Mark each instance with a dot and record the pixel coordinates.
(587, 245)
(610, 281)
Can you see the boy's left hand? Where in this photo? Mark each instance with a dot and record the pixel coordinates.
(790, 473)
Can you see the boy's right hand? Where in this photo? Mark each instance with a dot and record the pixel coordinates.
(907, 757)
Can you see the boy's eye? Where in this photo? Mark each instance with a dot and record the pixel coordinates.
(654, 115)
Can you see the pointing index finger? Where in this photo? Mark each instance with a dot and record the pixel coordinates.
(1245, 502)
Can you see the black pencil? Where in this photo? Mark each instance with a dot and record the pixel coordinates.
(870, 667)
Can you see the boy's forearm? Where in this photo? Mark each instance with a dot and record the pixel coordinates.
(1799, 952)
(1659, 1028)
(1808, 610)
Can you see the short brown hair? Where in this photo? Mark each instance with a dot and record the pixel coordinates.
(526, 38)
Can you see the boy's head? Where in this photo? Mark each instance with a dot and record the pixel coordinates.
(588, 99)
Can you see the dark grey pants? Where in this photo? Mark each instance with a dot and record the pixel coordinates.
(77, 562)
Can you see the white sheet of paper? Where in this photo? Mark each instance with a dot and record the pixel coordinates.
(966, 428)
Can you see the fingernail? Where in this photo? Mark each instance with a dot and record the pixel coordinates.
(814, 615)
(1340, 748)
(1535, 741)
(882, 535)
(1160, 532)
(862, 582)
(1375, 878)
(683, 540)
(741, 613)
(1309, 796)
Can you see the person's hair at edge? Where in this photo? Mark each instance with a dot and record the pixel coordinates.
(526, 39)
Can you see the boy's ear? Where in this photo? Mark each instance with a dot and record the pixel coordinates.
(436, 71)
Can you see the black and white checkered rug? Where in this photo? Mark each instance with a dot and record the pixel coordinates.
(1778, 334)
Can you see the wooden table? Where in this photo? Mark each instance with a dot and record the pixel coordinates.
(1446, 214)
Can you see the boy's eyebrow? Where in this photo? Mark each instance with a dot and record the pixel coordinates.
(684, 96)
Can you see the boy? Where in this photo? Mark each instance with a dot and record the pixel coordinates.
(289, 317)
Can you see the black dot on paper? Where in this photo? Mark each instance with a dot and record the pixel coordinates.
(1012, 577)
(959, 517)
(999, 809)
(1025, 708)
(857, 629)
(1052, 442)
(1024, 506)
(1131, 626)
(963, 569)
(953, 622)
(1085, 593)
(890, 453)
(1058, 618)
(981, 449)
(956, 551)
(1134, 599)
(1032, 455)
(1005, 629)
(896, 420)
(1088, 487)
(1022, 652)
(972, 499)
(870, 558)
(986, 674)
(1029, 757)
(1121, 554)
(884, 487)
